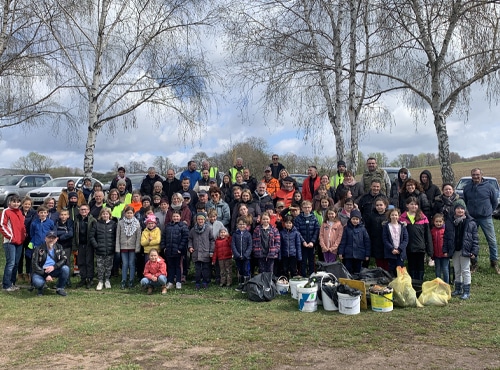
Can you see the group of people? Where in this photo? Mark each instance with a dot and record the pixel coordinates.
(264, 225)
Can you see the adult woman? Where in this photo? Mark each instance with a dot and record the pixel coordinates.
(115, 204)
(50, 203)
(253, 208)
(351, 184)
(445, 203)
(222, 208)
(396, 186)
(325, 180)
(411, 188)
(226, 189)
(178, 204)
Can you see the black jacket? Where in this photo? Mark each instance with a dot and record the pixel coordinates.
(147, 185)
(174, 239)
(103, 237)
(470, 243)
(40, 256)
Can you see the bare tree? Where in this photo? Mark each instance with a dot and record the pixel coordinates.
(436, 50)
(162, 164)
(34, 163)
(121, 54)
(28, 85)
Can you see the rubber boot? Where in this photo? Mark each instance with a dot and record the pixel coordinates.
(239, 288)
(245, 281)
(458, 289)
(466, 294)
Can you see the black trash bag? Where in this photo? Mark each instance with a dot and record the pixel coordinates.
(336, 268)
(345, 289)
(375, 274)
(262, 287)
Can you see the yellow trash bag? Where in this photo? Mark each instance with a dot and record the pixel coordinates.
(403, 293)
(435, 293)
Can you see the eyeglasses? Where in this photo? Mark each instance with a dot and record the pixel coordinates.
(186, 198)
(275, 158)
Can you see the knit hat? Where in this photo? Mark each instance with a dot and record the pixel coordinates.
(356, 213)
(72, 194)
(150, 218)
(341, 163)
(460, 205)
(201, 214)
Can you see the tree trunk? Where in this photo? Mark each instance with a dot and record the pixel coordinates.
(444, 148)
(88, 160)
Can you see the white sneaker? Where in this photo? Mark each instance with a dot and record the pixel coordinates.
(178, 285)
(107, 284)
(170, 286)
(431, 263)
(12, 288)
(99, 286)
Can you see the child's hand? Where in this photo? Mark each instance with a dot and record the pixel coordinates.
(341, 257)
(367, 258)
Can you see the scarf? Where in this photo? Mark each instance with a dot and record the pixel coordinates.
(458, 220)
(176, 207)
(347, 183)
(130, 225)
(199, 229)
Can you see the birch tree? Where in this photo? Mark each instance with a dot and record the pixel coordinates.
(306, 55)
(122, 54)
(436, 50)
(28, 86)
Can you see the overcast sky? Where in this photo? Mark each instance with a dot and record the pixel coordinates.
(479, 136)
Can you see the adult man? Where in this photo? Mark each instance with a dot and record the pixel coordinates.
(191, 173)
(238, 167)
(171, 185)
(373, 172)
(311, 183)
(204, 182)
(185, 188)
(213, 172)
(338, 178)
(148, 184)
(125, 195)
(261, 196)
(64, 199)
(367, 201)
(203, 198)
(121, 176)
(249, 179)
(276, 167)
(48, 262)
(286, 192)
(272, 184)
(481, 200)
(96, 204)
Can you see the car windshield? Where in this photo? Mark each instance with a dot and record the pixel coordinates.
(9, 180)
(463, 182)
(56, 183)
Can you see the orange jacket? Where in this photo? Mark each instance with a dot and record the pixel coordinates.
(155, 268)
(273, 186)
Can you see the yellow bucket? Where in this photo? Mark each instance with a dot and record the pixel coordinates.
(381, 301)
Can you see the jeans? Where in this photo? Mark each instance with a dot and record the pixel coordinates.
(486, 224)
(128, 263)
(162, 281)
(12, 256)
(61, 273)
(202, 272)
(442, 267)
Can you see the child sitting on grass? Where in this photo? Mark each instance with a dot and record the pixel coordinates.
(155, 273)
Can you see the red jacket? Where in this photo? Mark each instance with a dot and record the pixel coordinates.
(306, 190)
(12, 226)
(155, 268)
(223, 249)
(438, 241)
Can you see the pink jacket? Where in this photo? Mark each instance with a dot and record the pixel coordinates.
(155, 268)
(330, 236)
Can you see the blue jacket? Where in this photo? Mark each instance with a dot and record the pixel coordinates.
(174, 239)
(241, 244)
(65, 233)
(38, 229)
(355, 242)
(389, 245)
(481, 199)
(470, 238)
(193, 176)
(290, 243)
(308, 227)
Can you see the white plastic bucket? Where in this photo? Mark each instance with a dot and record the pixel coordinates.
(294, 282)
(308, 298)
(282, 287)
(328, 303)
(320, 292)
(349, 305)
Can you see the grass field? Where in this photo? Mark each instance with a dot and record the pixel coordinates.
(220, 329)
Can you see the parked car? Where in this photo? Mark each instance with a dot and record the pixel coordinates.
(54, 187)
(459, 189)
(299, 178)
(20, 185)
(393, 172)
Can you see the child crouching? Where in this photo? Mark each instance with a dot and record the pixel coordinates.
(155, 273)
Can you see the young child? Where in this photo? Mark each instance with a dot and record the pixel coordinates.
(330, 235)
(373, 225)
(174, 240)
(151, 236)
(81, 241)
(395, 237)
(291, 251)
(345, 213)
(440, 257)
(241, 244)
(128, 243)
(462, 242)
(14, 232)
(265, 243)
(103, 240)
(355, 245)
(155, 273)
(308, 227)
(272, 216)
(201, 245)
(419, 238)
(39, 227)
(65, 231)
(224, 254)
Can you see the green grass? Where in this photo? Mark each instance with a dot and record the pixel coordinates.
(220, 328)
